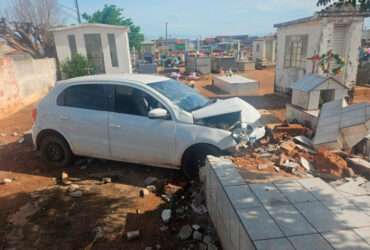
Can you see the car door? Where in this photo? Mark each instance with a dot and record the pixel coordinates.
(134, 137)
(83, 118)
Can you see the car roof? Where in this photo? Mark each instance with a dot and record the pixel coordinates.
(106, 78)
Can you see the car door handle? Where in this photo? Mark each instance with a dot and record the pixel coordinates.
(114, 125)
(63, 117)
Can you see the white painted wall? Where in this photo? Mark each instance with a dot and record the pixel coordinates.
(268, 56)
(320, 37)
(122, 43)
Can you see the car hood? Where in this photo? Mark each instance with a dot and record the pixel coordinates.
(248, 113)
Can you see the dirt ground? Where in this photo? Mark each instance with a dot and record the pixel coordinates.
(37, 212)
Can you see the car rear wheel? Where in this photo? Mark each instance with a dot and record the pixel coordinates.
(55, 151)
(195, 158)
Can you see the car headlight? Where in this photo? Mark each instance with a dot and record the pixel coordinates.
(242, 133)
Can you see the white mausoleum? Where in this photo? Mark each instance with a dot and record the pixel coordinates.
(338, 30)
(105, 46)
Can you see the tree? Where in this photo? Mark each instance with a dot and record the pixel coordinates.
(78, 65)
(111, 14)
(363, 4)
(27, 23)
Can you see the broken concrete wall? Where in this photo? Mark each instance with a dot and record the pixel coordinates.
(24, 80)
(294, 113)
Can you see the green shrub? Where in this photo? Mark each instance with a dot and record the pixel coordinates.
(78, 65)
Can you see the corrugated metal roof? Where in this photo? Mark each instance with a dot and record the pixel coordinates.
(311, 81)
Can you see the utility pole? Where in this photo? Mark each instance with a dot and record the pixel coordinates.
(166, 31)
(78, 11)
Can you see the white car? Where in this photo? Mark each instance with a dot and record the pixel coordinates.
(145, 119)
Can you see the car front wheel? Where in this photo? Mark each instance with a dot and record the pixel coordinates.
(55, 151)
(195, 158)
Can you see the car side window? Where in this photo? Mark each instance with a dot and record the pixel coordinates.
(133, 101)
(84, 96)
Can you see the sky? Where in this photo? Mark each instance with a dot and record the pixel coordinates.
(202, 18)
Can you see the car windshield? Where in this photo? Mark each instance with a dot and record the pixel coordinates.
(183, 96)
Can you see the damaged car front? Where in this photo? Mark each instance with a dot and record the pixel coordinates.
(234, 115)
(237, 117)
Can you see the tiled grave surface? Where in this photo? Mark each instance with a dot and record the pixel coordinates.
(296, 214)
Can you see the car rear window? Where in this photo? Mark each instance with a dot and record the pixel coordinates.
(89, 96)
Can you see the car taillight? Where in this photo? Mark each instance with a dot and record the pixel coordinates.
(34, 115)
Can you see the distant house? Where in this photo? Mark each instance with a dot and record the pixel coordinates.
(106, 46)
(309, 94)
(264, 49)
(335, 29)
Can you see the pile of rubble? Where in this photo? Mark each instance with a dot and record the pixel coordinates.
(184, 214)
(287, 150)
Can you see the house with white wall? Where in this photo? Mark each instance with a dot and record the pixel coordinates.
(335, 29)
(264, 49)
(105, 46)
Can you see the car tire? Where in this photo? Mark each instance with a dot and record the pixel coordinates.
(55, 151)
(195, 158)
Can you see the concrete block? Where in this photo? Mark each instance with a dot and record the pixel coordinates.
(346, 239)
(320, 216)
(242, 196)
(259, 224)
(309, 242)
(232, 179)
(268, 194)
(290, 221)
(295, 192)
(274, 244)
(364, 233)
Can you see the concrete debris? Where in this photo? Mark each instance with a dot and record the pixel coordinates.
(277, 169)
(306, 164)
(151, 188)
(73, 188)
(76, 194)
(328, 162)
(6, 181)
(132, 235)
(199, 209)
(185, 232)
(20, 141)
(166, 215)
(303, 140)
(197, 235)
(290, 167)
(144, 192)
(360, 166)
(65, 178)
(265, 165)
(195, 227)
(210, 246)
(106, 180)
(288, 146)
(150, 180)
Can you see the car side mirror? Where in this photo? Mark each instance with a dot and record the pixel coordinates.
(158, 113)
